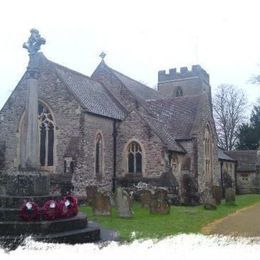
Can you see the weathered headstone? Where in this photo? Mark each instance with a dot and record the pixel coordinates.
(101, 205)
(230, 196)
(123, 203)
(145, 198)
(91, 193)
(189, 190)
(159, 203)
(217, 194)
(208, 201)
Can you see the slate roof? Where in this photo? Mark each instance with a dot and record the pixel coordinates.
(158, 127)
(91, 94)
(246, 159)
(138, 89)
(178, 114)
(223, 156)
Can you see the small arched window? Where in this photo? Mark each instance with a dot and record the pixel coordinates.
(174, 162)
(134, 158)
(99, 156)
(179, 92)
(46, 128)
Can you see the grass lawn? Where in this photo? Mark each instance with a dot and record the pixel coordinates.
(180, 220)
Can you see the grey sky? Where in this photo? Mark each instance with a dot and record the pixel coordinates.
(140, 37)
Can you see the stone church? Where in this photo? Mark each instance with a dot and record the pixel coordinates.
(108, 129)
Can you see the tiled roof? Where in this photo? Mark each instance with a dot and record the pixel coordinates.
(178, 114)
(90, 93)
(138, 89)
(223, 156)
(246, 159)
(159, 128)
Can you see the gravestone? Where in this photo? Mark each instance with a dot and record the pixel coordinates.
(91, 193)
(101, 205)
(208, 201)
(159, 203)
(123, 203)
(230, 196)
(217, 194)
(145, 198)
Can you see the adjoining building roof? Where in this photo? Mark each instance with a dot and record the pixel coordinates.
(159, 128)
(246, 159)
(178, 114)
(223, 156)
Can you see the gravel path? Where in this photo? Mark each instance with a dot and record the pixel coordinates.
(245, 222)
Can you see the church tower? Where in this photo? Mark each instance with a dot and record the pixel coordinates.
(183, 83)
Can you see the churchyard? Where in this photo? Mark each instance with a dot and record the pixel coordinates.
(181, 219)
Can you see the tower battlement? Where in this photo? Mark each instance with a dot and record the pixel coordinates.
(184, 73)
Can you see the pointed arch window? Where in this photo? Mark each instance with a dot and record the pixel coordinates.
(46, 135)
(208, 153)
(99, 156)
(134, 158)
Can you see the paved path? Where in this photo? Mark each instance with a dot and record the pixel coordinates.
(245, 222)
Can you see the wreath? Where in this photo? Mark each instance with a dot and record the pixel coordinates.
(29, 211)
(68, 207)
(50, 210)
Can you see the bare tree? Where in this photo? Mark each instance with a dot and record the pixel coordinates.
(229, 106)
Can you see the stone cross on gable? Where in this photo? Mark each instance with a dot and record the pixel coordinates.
(34, 42)
(102, 55)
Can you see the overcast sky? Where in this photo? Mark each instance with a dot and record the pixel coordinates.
(139, 37)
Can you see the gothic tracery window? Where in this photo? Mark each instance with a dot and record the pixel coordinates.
(99, 156)
(46, 135)
(134, 158)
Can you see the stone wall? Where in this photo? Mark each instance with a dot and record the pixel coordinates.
(85, 173)
(154, 153)
(205, 118)
(248, 182)
(65, 109)
(2, 155)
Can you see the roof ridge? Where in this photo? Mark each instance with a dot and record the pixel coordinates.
(72, 71)
(130, 78)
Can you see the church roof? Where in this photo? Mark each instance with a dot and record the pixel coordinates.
(91, 94)
(178, 114)
(137, 88)
(159, 128)
(246, 159)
